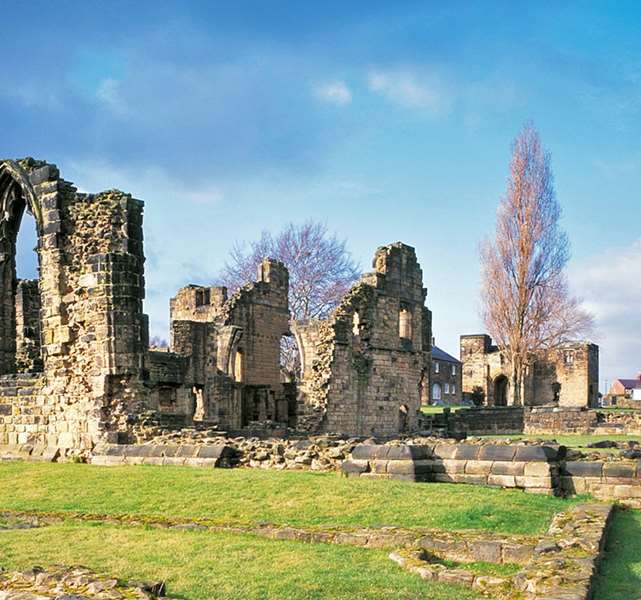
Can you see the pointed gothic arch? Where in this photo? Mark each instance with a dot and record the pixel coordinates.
(16, 196)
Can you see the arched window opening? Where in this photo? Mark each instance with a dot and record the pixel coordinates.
(356, 324)
(290, 359)
(27, 298)
(405, 323)
(238, 366)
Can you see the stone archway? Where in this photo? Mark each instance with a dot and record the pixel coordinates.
(16, 197)
(501, 385)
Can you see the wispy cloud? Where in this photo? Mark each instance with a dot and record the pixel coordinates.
(410, 89)
(610, 284)
(335, 92)
(109, 94)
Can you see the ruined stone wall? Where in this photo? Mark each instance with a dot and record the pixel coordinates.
(232, 347)
(567, 375)
(93, 331)
(364, 366)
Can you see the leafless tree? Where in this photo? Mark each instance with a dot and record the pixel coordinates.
(321, 271)
(526, 303)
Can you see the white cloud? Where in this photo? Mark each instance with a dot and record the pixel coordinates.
(410, 89)
(149, 183)
(335, 92)
(109, 94)
(610, 284)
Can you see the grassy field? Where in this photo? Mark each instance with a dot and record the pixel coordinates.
(199, 565)
(621, 570)
(577, 441)
(248, 496)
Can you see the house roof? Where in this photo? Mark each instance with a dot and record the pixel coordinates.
(439, 354)
(630, 384)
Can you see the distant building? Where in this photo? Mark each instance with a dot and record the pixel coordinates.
(567, 375)
(628, 389)
(445, 378)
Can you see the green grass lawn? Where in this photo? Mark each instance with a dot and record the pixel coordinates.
(577, 441)
(249, 496)
(620, 573)
(202, 565)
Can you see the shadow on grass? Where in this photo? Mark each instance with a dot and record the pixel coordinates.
(620, 572)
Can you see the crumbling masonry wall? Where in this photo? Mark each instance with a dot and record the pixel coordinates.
(230, 348)
(567, 375)
(92, 332)
(364, 367)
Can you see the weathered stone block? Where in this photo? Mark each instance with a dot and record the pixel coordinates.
(536, 453)
(583, 468)
(537, 469)
(355, 467)
(466, 452)
(508, 468)
(620, 470)
(487, 551)
(507, 481)
(478, 467)
(497, 452)
(627, 491)
(445, 451)
(454, 466)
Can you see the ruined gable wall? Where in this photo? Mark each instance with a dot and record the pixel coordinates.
(218, 336)
(358, 370)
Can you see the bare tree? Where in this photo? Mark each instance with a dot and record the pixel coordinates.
(321, 271)
(525, 298)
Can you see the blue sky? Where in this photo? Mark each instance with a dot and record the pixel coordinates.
(388, 121)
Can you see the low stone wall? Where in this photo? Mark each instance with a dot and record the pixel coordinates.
(604, 480)
(72, 583)
(628, 423)
(30, 452)
(532, 468)
(533, 420)
(541, 469)
(156, 454)
(561, 566)
(545, 419)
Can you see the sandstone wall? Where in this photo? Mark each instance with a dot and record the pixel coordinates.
(566, 376)
(91, 287)
(364, 367)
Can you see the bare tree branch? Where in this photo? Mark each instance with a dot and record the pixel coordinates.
(321, 270)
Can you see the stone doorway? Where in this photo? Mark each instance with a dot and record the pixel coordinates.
(500, 390)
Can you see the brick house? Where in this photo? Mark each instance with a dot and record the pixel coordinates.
(445, 378)
(629, 389)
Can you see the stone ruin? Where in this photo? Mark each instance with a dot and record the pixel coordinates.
(75, 364)
(564, 376)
